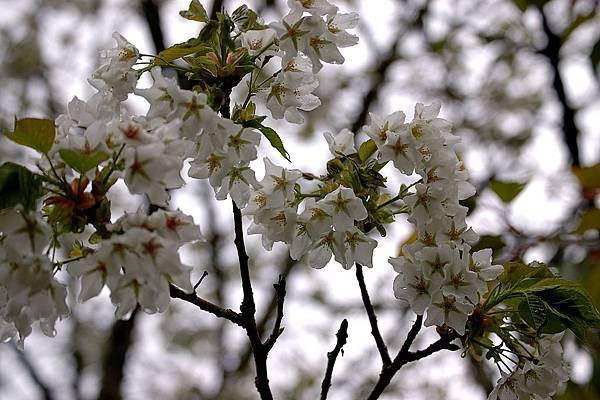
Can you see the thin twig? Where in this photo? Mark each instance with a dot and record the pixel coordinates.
(381, 347)
(403, 358)
(207, 306)
(412, 334)
(277, 329)
(204, 275)
(342, 336)
(248, 309)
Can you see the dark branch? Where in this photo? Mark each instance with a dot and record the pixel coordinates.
(248, 307)
(152, 14)
(217, 6)
(262, 322)
(46, 392)
(207, 306)
(381, 347)
(342, 336)
(115, 356)
(412, 334)
(277, 329)
(552, 53)
(405, 357)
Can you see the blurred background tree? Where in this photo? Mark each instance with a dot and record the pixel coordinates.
(519, 79)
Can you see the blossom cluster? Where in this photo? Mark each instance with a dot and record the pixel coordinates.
(139, 261)
(539, 380)
(324, 228)
(310, 34)
(28, 290)
(436, 273)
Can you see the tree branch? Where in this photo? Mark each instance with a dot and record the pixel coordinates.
(217, 6)
(381, 347)
(207, 306)
(552, 53)
(248, 308)
(277, 329)
(404, 357)
(342, 336)
(114, 358)
(46, 392)
(412, 335)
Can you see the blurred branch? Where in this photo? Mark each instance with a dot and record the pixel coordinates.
(217, 6)
(381, 347)
(342, 336)
(113, 368)
(152, 14)
(481, 375)
(552, 53)
(381, 69)
(46, 392)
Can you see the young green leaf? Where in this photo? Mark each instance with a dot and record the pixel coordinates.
(589, 220)
(33, 132)
(507, 191)
(271, 136)
(180, 50)
(366, 150)
(195, 12)
(81, 162)
(18, 185)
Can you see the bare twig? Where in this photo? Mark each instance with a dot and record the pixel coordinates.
(405, 357)
(342, 336)
(381, 347)
(277, 329)
(412, 335)
(204, 275)
(207, 306)
(248, 309)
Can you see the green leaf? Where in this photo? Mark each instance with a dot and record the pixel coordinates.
(507, 191)
(195, 12)
(180, 50)
(519, 275)
(589, 220)
(18, 185)
(494, 242)
(33, 132)
(367, 149)
(83, 162)
(588, 177)
(245, 19)
(533, 310)
(567, 305)
(270, 134)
